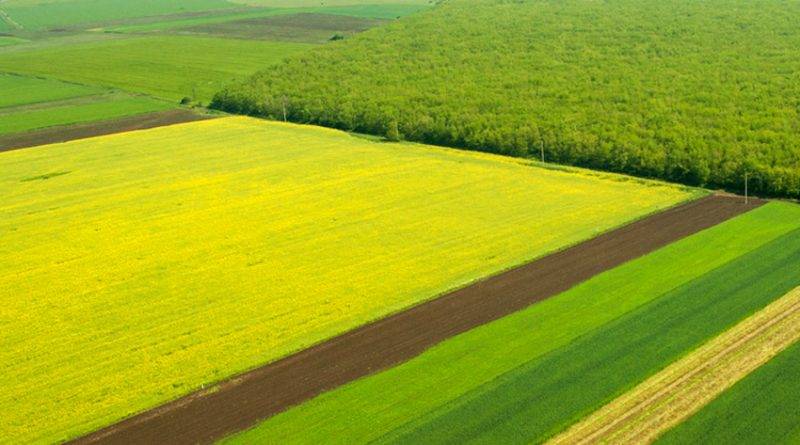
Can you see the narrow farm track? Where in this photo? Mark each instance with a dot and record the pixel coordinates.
(240, 402)
(683, 388)
(54, 135)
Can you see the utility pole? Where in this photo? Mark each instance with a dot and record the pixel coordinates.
(284, 108)
(746, 198)
(541, 148)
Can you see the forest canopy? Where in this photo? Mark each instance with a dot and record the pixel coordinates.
(695, 92)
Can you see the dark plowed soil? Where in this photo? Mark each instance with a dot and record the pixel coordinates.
(81, 131)
(241, 402)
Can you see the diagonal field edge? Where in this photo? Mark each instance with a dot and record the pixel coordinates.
(71, 132)
(242, 401)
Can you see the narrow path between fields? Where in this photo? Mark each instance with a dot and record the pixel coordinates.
(674, 394)
(242, 401)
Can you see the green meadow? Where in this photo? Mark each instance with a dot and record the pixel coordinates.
(23, 90)
(170, 67)
(99, 109)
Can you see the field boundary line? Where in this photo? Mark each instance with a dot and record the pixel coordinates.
(674, 394)
(241, 401)
(104, 127)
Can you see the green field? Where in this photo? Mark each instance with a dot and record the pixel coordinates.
(8, 40)
(153, 250)
(572, 326)
(692, 92)
(43, 15)
(762, 408)
(23, 90)
(367, 11)
(170, 67)
(98, 109)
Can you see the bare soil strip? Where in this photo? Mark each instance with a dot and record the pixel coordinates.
(66, 133)
(242, 401)
(674, 394)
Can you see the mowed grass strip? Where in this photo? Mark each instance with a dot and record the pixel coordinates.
(368, 409)
(674, 394)
(761, 409)
(103, 108)
(171, 67)
(544, 397)
(138, 267)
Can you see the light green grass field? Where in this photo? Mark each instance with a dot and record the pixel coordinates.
(135, 268)
(8, 40)
(23, 90)
(100, 109)
(466, 367)
(171, 67)
(762, 408)
(314, 3)
(372, 11)
(41, 15)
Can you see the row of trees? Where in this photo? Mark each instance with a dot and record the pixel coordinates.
(694, 92)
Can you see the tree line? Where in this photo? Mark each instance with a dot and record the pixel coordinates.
(700, 93)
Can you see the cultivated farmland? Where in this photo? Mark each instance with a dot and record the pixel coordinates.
(693, 92)
(571, 353)
(154, 250)
(192, 67)
(763, 408)
(674, 394)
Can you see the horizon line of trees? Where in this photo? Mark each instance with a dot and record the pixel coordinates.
(696, 93)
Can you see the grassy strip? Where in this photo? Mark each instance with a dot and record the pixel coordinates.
(61, 14)
(23, 90)
(686, 386)
(171, 67)
(153, 250)
(761, 409)
(543, 397)
(108, 108)
(8, 40)
(366, 409)
(389, 11)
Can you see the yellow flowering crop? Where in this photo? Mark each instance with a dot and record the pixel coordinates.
(137, 267)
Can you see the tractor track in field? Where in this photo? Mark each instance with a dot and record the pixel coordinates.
(66, 133)
(240, 402)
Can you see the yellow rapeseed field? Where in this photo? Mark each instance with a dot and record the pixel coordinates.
(137, 267)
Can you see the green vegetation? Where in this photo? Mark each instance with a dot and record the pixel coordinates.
(542, 398)
(171, 67)
(388, 11)
(10, 40)
(762, 408)
(23, 90)
(153, 250)
(41, 15)
(308, 28)
(99, 109)
(466, 366)
(695, 92)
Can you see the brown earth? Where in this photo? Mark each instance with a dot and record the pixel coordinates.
(242, 401)
(66, 133)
